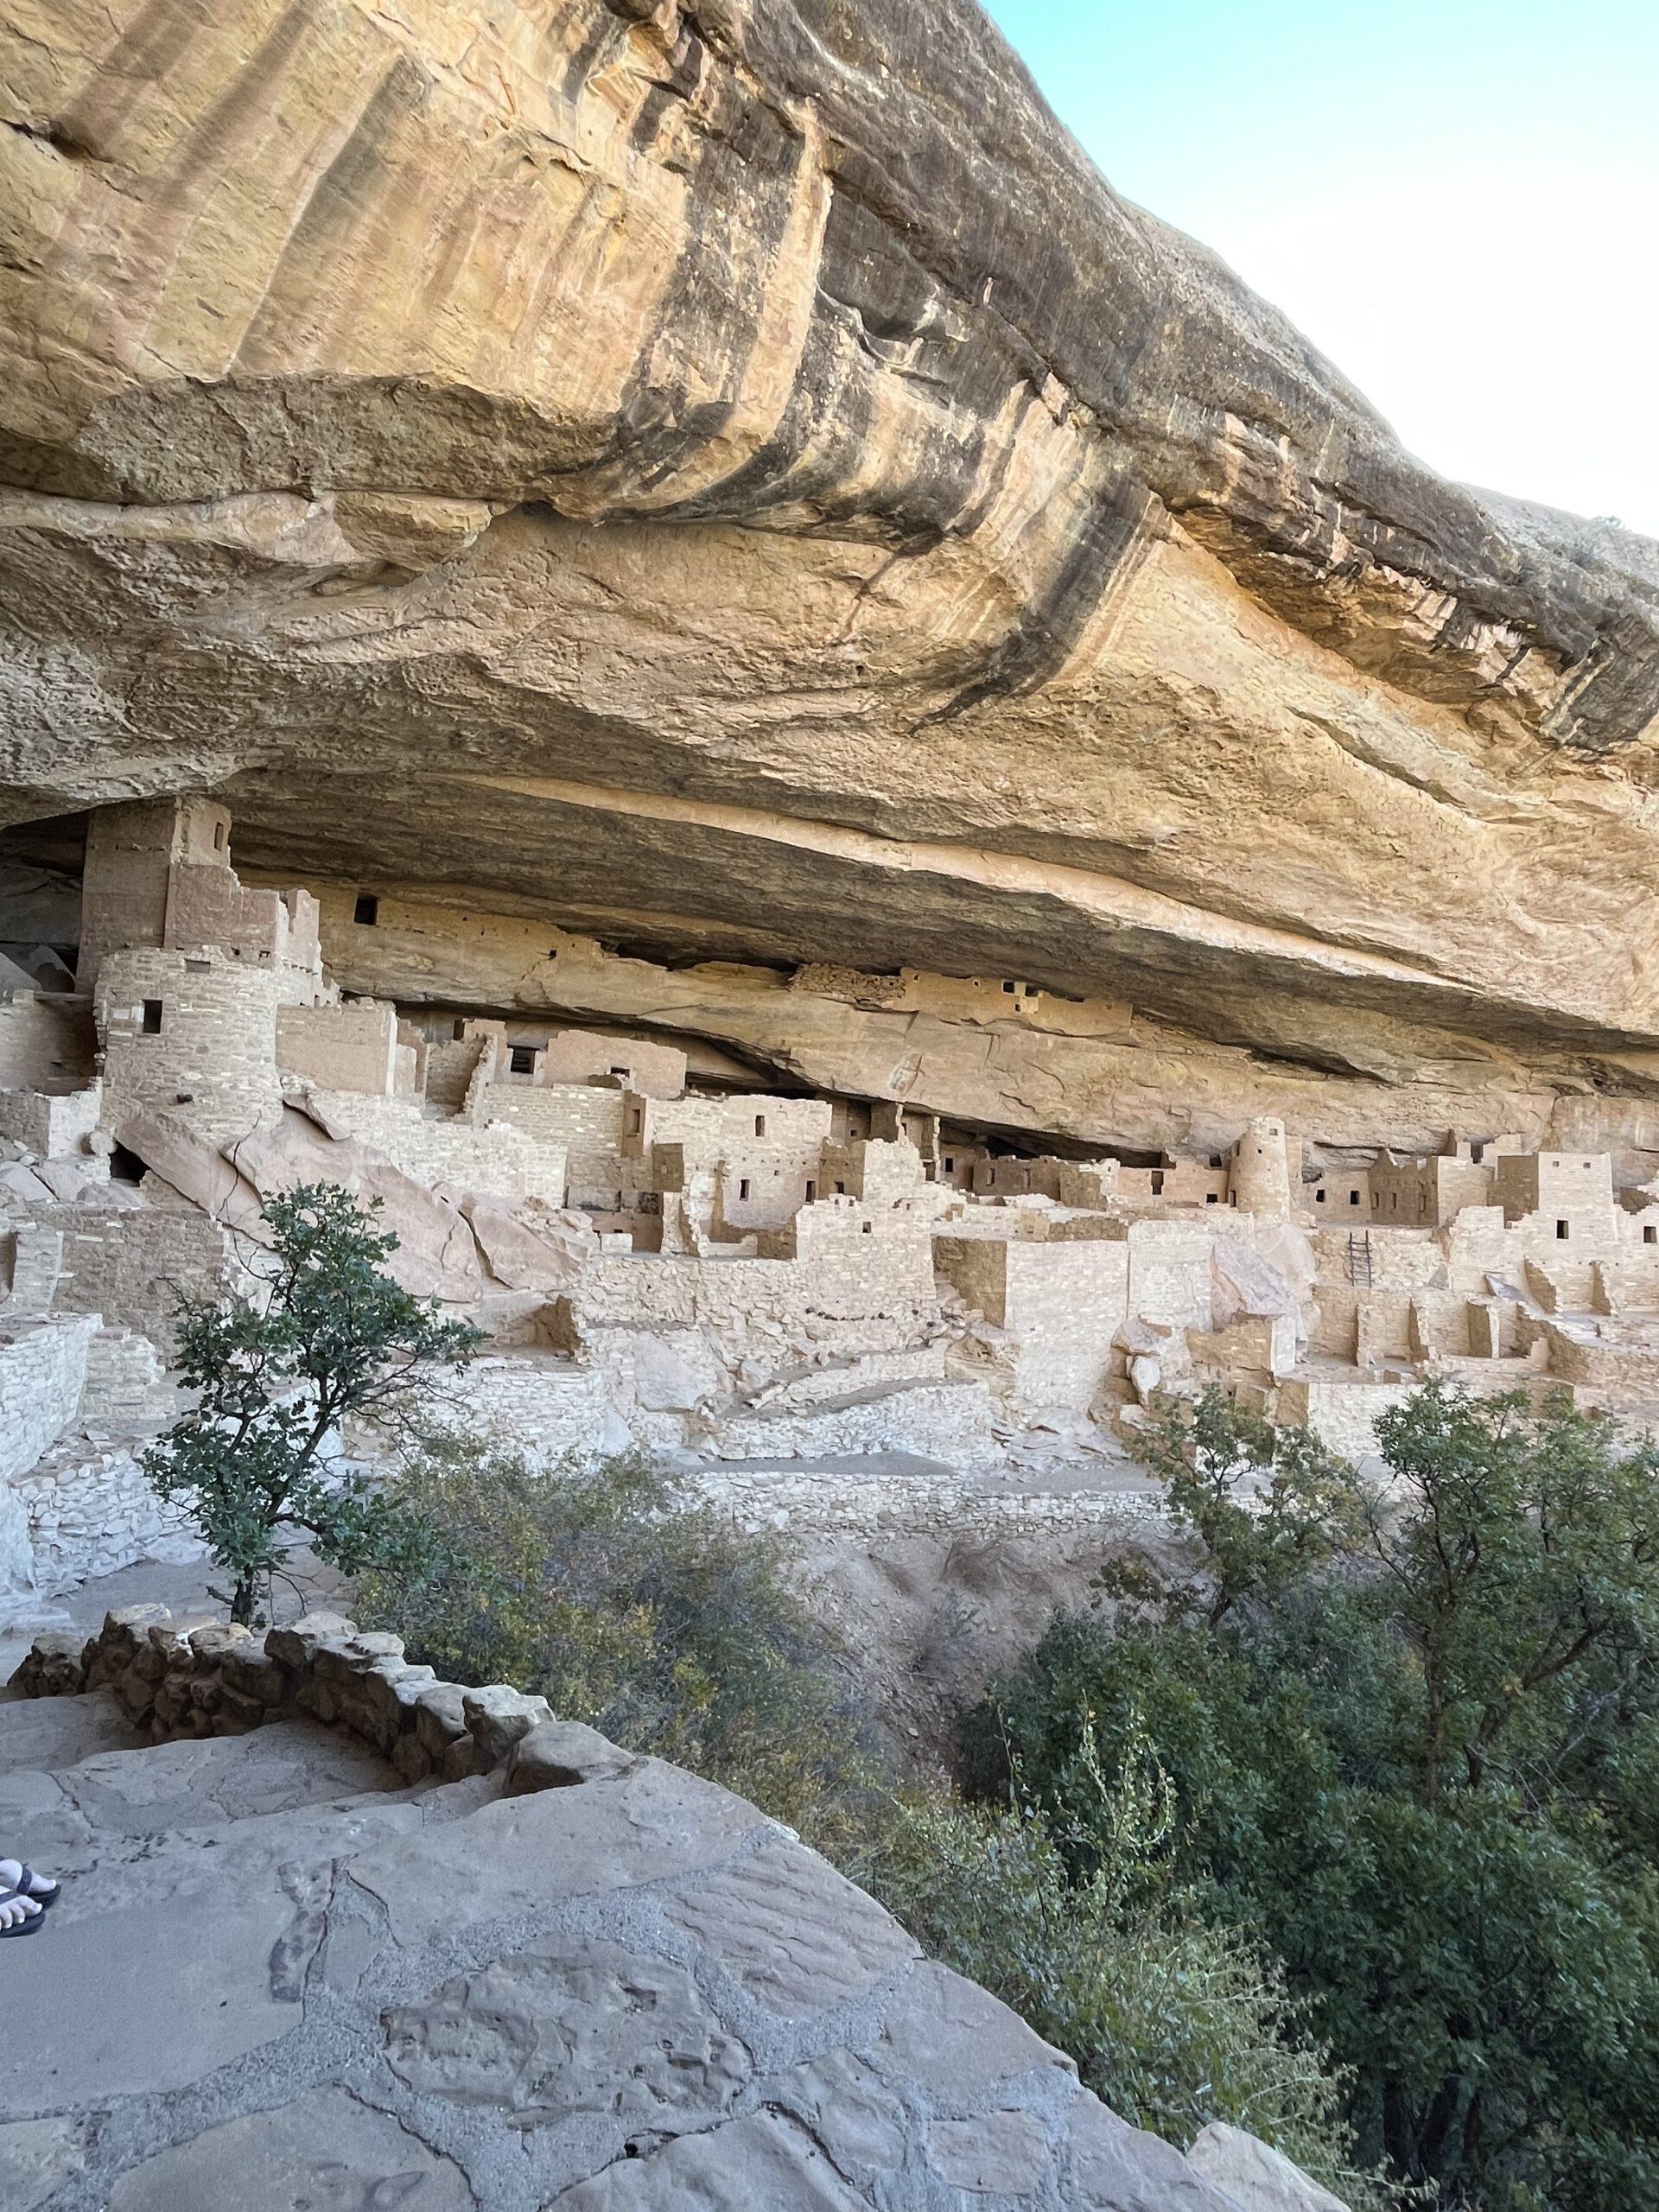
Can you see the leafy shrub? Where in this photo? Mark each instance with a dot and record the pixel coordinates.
(626, 1606)
(1420, 1769)
(1173, 2023)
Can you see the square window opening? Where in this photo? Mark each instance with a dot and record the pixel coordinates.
(1562, 1231)
(521, 1059)
(152, 1018)
(366, 913)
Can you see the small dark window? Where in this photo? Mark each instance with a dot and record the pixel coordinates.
(1157, 1184)
(869, 1228)
(950, 1166)
(636, 1117)
(1210, 1199)
(1010, 988)
(1561, 1230)
(125, 1166)
(1353, 1198)
(812, 1192)
(219, 837)
(1475, 1152)
(841, 1190)
(1650, 1234)
(366, 913)
(460, 1031)
(152, 1017)
(742, 1186)
(1318, 1197)
(759, 1125)
(521, 1059)
(624, 1072)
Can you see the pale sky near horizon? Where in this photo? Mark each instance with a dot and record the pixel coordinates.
(1456, 200)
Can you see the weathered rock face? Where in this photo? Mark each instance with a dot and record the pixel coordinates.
(733, 480)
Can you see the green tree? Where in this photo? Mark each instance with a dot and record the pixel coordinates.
(1416, 1758)
(325, 1335)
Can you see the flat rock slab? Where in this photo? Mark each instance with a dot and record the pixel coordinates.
(277, 1985)
(327, 2152)
(47, 1733)
(142, 2001)
(172, 1788)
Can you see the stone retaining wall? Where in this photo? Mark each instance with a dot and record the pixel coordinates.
(92, 1511)
(42, 1374)
(891, 1504)
(192, 1674)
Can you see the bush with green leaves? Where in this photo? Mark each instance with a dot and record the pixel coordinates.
(1415, 1758)
(628, 1605)
(322, 1336)
(1172, 2022)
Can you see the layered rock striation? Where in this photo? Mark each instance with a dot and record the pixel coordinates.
(736, 483)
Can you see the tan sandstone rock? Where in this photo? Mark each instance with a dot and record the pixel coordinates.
(737, 482)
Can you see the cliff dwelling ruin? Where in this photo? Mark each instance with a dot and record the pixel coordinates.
(841, 1311)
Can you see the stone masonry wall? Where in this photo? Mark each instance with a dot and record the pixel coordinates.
(340, 1048)
(42, 1373)
(1066, 1301)
(587, 1119)
(47, 1041)
(496, 1159)
(131, 1265)
(850, 1295)
(195, 1675)
(213, 1051)
(919, 1505)
(50, 1126)
(94, 1511)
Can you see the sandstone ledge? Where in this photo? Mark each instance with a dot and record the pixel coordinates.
(570, 1978)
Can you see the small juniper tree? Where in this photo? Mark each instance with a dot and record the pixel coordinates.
(326, 1335)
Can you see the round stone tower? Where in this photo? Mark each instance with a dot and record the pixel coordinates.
(1260, 1181)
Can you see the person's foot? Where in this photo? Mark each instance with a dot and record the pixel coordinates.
(15, 1912)
(37, 1890)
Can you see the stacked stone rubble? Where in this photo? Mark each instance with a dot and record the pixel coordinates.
(177, 1676)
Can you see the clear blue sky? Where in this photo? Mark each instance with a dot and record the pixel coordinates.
(1457, 202)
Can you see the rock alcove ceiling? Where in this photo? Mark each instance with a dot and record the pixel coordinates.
(735, 482)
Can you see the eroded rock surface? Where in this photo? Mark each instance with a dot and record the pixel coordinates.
(324, 1984)
(734, 479)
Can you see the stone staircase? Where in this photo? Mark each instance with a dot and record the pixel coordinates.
(346, 1936)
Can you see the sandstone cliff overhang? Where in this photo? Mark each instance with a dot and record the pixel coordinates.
(737, 481)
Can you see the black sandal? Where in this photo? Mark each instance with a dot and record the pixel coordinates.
(24, 1927)
(25, 1889)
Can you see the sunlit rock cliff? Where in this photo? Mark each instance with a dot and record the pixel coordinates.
(733, 482)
